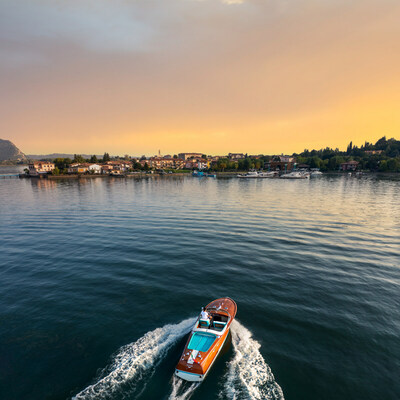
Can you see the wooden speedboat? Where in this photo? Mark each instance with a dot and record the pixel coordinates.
(206, 340)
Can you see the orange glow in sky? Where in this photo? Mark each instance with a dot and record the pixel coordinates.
(187, 75)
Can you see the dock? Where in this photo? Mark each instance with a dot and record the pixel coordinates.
(9, 176)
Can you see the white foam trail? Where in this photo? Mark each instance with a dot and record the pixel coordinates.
(182, 390)
(134, 359)
(249, 376)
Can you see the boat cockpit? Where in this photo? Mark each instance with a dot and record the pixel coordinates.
(218, 321)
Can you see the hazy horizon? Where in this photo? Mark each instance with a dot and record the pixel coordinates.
(155, 153)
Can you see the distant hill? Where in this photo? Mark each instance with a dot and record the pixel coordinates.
(56, 155)
(10, 152)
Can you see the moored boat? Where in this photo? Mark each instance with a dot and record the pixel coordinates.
(117, 174)
(206, 340)
(250, 174)
(296, 175)
(259, 174)
(198, 173)
(203, 174)
(268, 174)
(315, 172)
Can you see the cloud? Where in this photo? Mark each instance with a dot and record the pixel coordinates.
(99, 25)
(145, 72)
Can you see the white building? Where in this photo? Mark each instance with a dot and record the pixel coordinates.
(40, 167)
(94, 168)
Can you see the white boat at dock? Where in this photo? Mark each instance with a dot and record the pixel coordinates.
(248, 175)
(296, 175)
(259, 174)
(315, 173)
(268, 174)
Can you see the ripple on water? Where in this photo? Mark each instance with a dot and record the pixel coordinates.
(87, 267)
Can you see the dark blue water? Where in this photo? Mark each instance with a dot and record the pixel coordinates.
(90, 266)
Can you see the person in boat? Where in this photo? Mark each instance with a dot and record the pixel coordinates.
(205, 315)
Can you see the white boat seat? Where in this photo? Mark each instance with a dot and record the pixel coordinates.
(219, 324)
(204, 323)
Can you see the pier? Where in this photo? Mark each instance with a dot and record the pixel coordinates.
(9, 176)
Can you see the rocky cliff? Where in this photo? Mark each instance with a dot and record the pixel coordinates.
(8, 151)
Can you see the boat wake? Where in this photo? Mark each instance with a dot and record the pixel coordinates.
(248, 377)
(182, 390)
(135, 360)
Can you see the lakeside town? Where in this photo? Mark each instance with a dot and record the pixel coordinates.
(383, 156)
(183, 163)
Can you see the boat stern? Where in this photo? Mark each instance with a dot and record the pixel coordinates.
(189, 376)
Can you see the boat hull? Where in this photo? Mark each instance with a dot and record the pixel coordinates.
(204, 344)
(189, 376)
(193, 377)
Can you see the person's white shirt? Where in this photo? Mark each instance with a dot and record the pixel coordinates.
(204, 314)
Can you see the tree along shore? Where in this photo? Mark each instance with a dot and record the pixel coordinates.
(382, 156)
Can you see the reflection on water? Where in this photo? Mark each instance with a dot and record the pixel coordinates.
(12, 169)
(91, 265)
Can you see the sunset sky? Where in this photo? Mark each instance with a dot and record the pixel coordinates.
(214, 76)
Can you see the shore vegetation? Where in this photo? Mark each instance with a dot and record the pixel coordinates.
(382, 156)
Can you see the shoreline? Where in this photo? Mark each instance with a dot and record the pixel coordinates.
(99, 176)
(143, 174)
(227, 174)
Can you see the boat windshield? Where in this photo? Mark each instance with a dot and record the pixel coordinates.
(218, 310)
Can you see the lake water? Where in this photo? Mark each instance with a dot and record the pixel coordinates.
(100, 280)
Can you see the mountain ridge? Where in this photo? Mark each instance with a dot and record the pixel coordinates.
(52, 156)
(10, 152)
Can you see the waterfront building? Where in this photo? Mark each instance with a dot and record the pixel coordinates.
(282, 163)
(256, 156)
(78, 168)
(236, 156)
(302, 166)
(94, 168)
(201, 163)
(179, 163)
(190, 164)
(165, 162)
(154, 162)
(143, 162)
(83, 168)
(160, 163)
(106, 169)
(120, 165)
(349, 165)
(37, 168)
(186, 156)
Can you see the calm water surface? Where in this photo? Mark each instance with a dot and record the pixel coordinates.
(98, 279)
